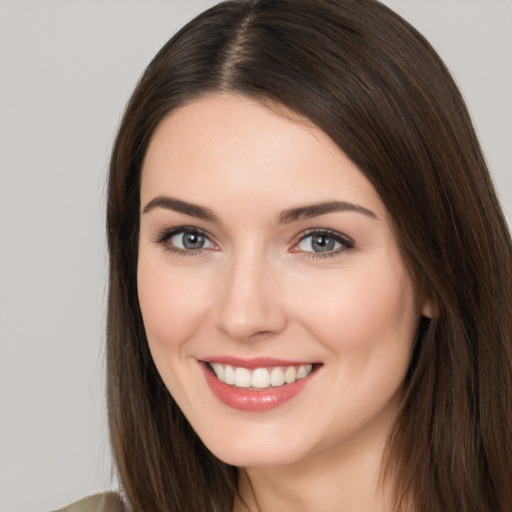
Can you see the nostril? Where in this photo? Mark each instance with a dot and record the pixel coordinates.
(261, 334)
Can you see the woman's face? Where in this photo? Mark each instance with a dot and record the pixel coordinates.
(267, 257)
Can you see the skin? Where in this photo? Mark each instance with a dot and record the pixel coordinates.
(258, 288)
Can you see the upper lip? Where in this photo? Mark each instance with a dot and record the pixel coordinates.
(255, 362)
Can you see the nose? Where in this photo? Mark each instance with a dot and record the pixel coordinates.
(252, 305)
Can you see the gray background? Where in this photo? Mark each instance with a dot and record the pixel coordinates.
(66, 71)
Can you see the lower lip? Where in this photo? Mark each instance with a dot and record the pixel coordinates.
(256, 400)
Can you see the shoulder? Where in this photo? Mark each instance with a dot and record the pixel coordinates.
(106, 502)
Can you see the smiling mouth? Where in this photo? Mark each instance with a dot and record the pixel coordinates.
(258, 379)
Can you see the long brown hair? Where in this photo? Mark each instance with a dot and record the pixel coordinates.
(378, 89)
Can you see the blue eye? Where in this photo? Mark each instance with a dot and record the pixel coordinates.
(324, 243)
(186, 241)
(190, 240)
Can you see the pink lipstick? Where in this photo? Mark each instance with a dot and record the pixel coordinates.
(258, 384)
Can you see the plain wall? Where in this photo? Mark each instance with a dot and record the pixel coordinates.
(66, 71)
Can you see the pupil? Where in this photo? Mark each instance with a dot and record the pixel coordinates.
(322, 243)
(193, 240)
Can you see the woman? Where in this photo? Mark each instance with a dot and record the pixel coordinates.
(310, 288)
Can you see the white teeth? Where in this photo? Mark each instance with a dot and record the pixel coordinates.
(260, 378)
(304, 370)
(290, 374)
(277, 376)
(219, 370)
(229, 375)
(242, 378)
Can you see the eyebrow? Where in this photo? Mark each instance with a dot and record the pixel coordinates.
(170, 203)
(317, 209)
(284, 217)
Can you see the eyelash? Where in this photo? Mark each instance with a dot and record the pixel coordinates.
(346, 242)
(164, 237)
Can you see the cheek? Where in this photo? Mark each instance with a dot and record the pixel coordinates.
(367, 326)
(172, 304)
(363, 314)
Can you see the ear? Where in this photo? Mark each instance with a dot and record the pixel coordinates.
(429, 309)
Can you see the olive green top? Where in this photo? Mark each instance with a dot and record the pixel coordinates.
(106, 502)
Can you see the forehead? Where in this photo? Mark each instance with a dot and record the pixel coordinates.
(229, 148)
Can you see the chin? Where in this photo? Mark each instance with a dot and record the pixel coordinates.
(256, 458)
(256, 452)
